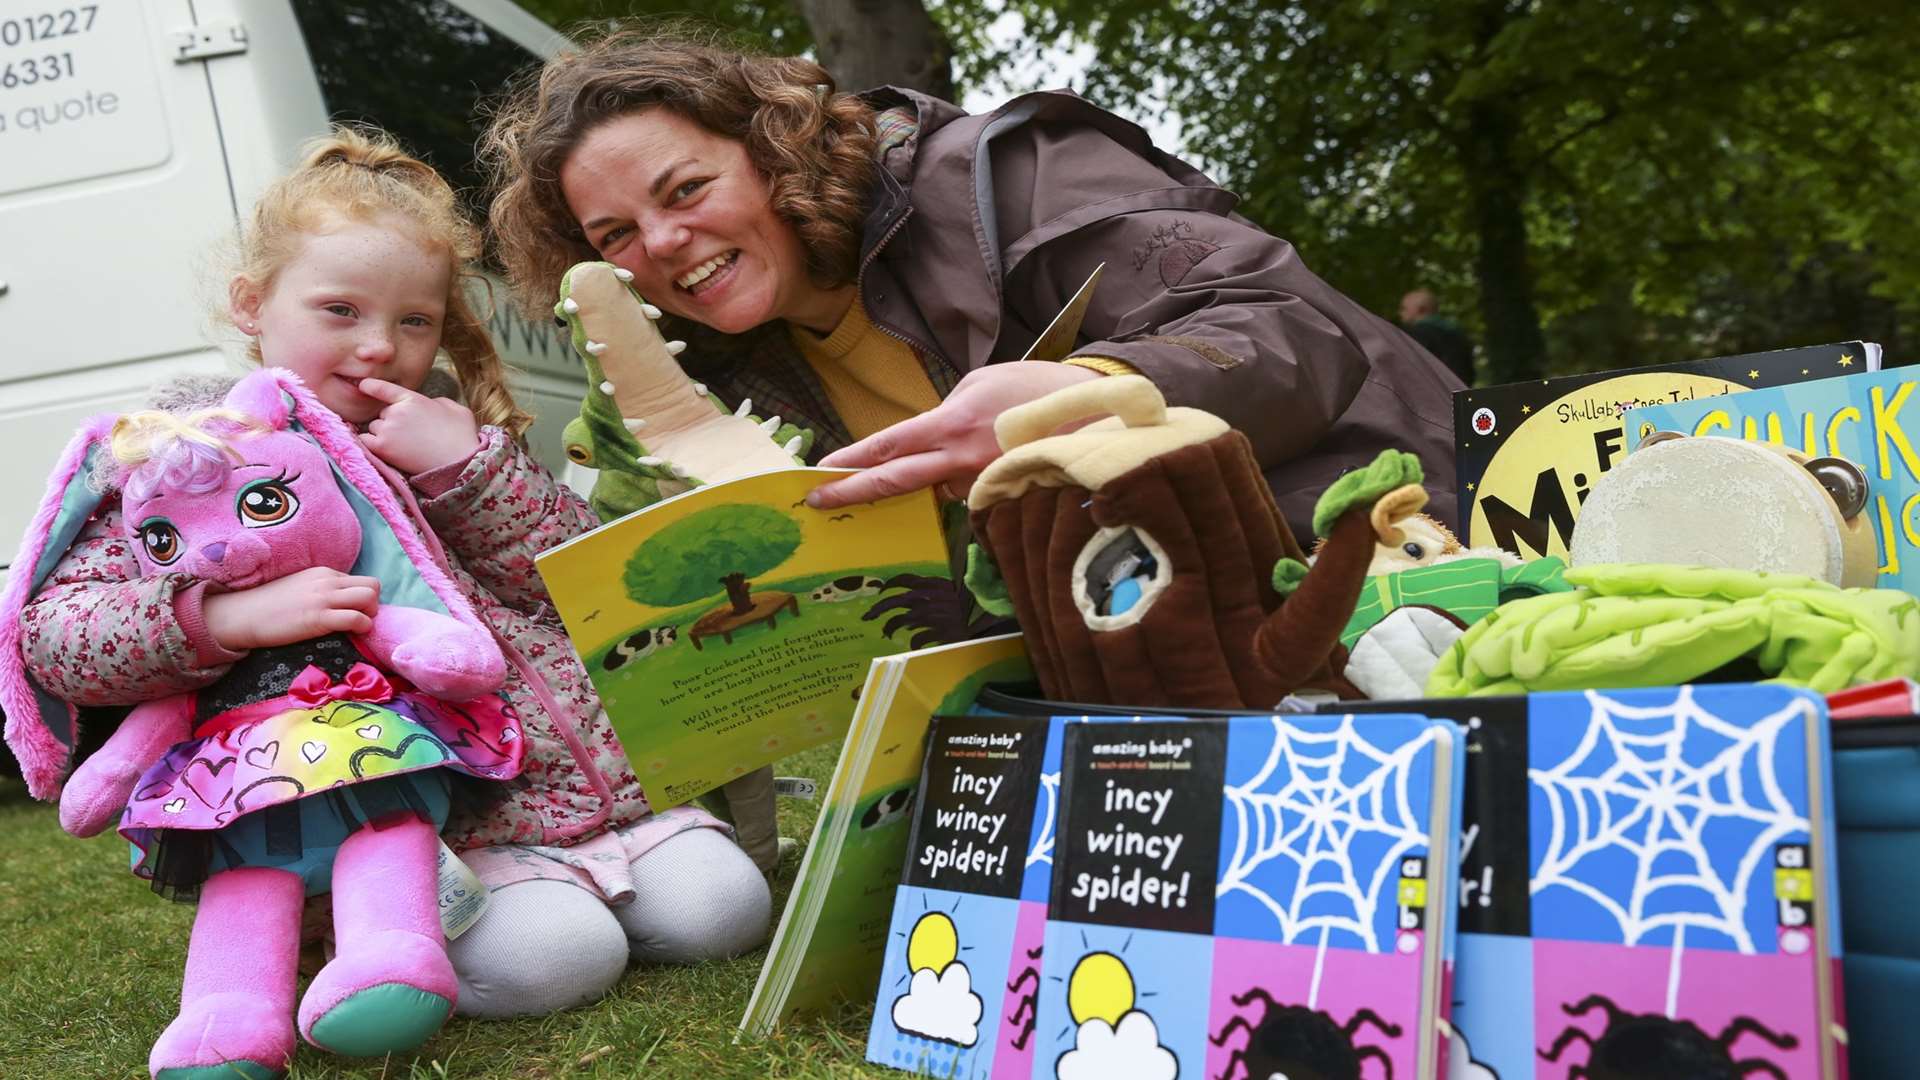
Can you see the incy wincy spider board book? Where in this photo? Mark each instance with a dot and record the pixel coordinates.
(1647, 885)
(1246, 897)
(961, 977)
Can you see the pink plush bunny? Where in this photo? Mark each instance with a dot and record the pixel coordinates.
(306, 768)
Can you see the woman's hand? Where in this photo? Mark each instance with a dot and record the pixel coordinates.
(947, 445)
(318, 600)
(415, 433)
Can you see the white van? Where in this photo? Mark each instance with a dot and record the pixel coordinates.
(135, 133)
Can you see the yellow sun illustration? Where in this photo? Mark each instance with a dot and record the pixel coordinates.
(933, 943)
(1100, 986)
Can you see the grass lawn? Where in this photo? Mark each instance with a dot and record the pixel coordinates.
(92, 974)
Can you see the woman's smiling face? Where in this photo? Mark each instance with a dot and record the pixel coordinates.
(686, 211)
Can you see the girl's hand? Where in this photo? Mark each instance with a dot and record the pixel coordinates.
(947, 445)
(318, 600)
(415, 433)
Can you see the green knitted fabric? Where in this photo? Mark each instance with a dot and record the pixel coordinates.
(1656, 625)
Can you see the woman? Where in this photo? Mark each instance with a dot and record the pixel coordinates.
(864, 264)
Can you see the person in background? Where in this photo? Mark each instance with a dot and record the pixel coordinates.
(869, 265)
(1420, 317)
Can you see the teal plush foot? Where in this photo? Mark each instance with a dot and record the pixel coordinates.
(386, 994)
(380, 1020)
(228, 1036)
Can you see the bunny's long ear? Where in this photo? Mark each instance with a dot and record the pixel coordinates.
(391, 547)
(40, 728)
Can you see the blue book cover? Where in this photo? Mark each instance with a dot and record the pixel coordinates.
(1646, 885)
(961, 976)
(1248, 897)
(1862, 418)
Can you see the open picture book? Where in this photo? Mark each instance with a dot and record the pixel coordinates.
(732, 625)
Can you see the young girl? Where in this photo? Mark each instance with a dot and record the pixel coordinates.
(352, 276)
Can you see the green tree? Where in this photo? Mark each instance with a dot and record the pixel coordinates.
(863, 43)
(715, 549)
(1670, 169)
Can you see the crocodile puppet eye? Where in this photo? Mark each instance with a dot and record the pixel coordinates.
(1844, 481)
(578, 454)
(265, 503)
(1118, 576)
(160, 540)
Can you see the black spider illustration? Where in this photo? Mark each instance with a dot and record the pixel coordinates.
(1654, 1047)
(1301, 1043)
(1027, 1005)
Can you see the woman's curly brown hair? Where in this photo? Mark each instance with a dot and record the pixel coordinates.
(813, 146)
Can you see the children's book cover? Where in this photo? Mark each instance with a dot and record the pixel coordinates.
(731, 625)
(962, 969)
(1526, 454)
(1861, 418)
(1250, 897)
(832, 935)
(1646, 885)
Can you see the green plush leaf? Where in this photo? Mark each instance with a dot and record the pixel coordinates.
(985, 582)
(1392, 469)
(1287, 576)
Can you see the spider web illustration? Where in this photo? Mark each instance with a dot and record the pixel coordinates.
(1043, 839)
(1637, 801)
(1319, 830)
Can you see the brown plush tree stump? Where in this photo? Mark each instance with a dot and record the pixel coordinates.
(764, 607)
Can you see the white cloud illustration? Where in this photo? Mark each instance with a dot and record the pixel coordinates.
(1460, 1062)
(1132, 1050)
(942, 1006)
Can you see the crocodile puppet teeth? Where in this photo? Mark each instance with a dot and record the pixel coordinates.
(632, 372)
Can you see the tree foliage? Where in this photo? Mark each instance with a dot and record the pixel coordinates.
(686, 560)
(1631, 182)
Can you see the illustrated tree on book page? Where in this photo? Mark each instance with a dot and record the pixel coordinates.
(717, 551)
(1672, 886)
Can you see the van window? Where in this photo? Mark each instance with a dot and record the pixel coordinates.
(418, 68)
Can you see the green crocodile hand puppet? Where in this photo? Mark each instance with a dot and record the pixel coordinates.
(649, 429)
(652, 432)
